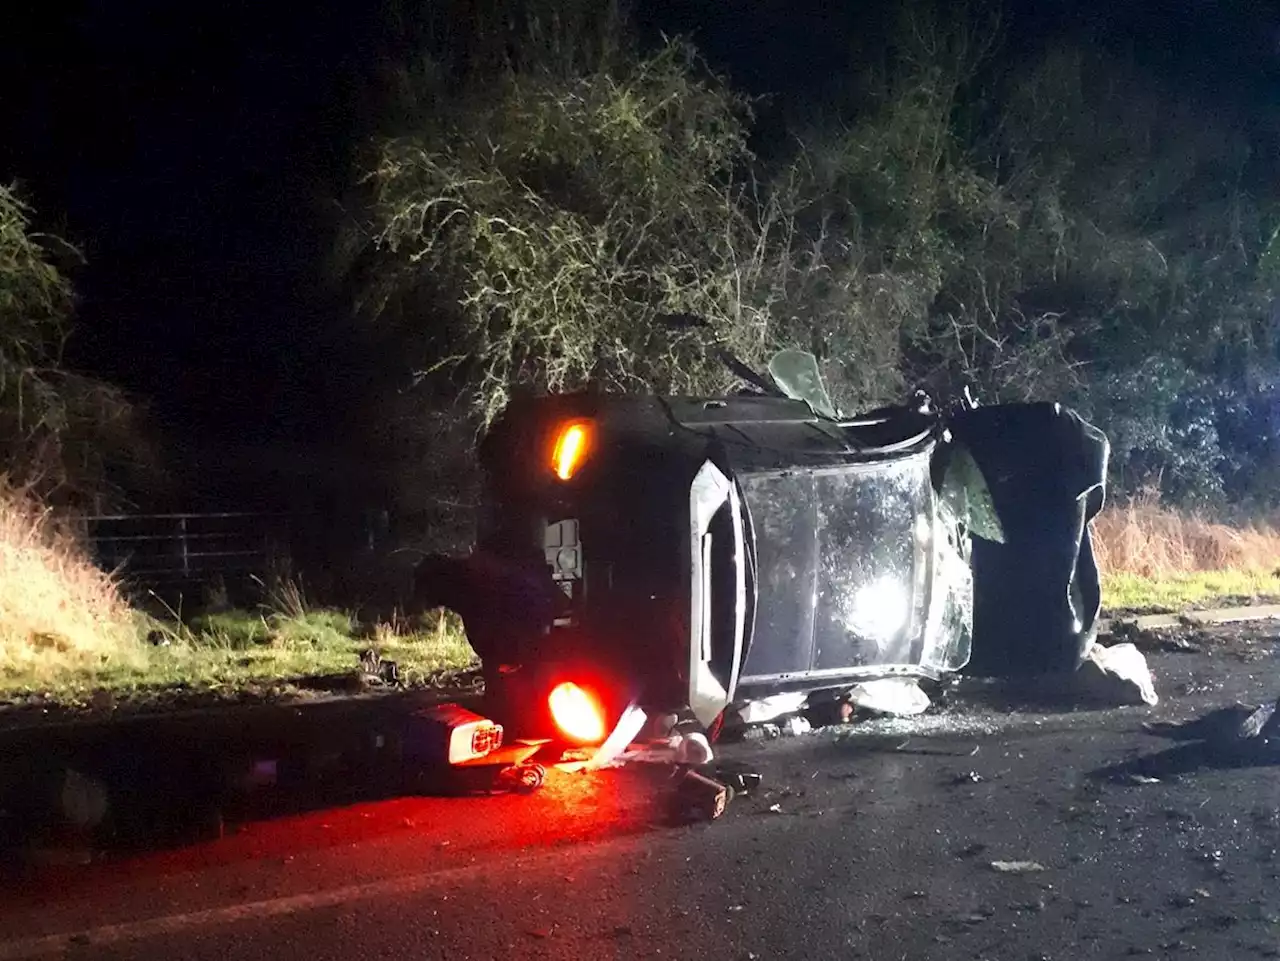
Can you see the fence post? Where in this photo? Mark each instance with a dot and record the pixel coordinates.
(182, 534)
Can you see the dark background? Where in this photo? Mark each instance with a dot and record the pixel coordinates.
(195, 154)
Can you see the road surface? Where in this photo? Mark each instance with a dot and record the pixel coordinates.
(873, 841)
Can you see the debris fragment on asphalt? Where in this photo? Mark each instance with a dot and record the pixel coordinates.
(795, 726)
(694, 749)
(449, 734)
(741, 782)
(1017, 867)
(629, 726)
(1117, 675)
(698, 797)
(1260, 725)
(520, 778)
(1243, 731)
(762, 732)
(896, 696)
(771, 708)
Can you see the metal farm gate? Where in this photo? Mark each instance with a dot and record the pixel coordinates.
(179, 554)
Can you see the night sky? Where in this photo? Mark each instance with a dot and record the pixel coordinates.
(194, 153)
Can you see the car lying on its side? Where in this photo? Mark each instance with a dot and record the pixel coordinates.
(694, 555)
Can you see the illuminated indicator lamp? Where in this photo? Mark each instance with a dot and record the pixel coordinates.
(577, 714)
(571, 449)
(486, 739)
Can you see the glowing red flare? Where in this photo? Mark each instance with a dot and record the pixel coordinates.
(577, 713)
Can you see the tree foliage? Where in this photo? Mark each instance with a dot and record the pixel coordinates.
(1062, 226)
(63, 435)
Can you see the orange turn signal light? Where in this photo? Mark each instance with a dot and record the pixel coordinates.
(573, 441)
(578, 715)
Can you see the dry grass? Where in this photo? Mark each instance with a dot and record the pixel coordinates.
(1159, 559)
(1147, 539)
(58, 612)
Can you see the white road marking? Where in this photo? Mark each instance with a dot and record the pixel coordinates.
(131, 931)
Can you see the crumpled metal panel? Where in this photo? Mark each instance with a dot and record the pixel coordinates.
(949, 629)
(842, 568)
(783, 509)
(1037, 595)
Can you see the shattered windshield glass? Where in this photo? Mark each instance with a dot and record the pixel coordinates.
(841, 557)
(967, 496)
(796, 374)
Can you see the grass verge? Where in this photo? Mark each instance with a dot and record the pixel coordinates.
(1158, 560)
(1123, 592)
(68, 638)
(244, 655)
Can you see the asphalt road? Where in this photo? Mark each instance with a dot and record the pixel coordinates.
(874, 841)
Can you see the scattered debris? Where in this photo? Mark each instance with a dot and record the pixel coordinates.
(762, 732)
(446, 747)
(771, 708)
(795, 726)
(775, 808)
(739, 781)
(693, 749)
(1172, 639)
(629, 726)
(1259, 721)
(898, 696)
(520, 778)
(448, 733)
(1140, 779)
(1117, 674)
(661, 726)
(969, 777)
(699, 798)
(1017, 867)
(1243, 731)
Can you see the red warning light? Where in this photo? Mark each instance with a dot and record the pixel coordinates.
(577, 714)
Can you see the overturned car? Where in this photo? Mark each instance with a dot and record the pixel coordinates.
(694, 555)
